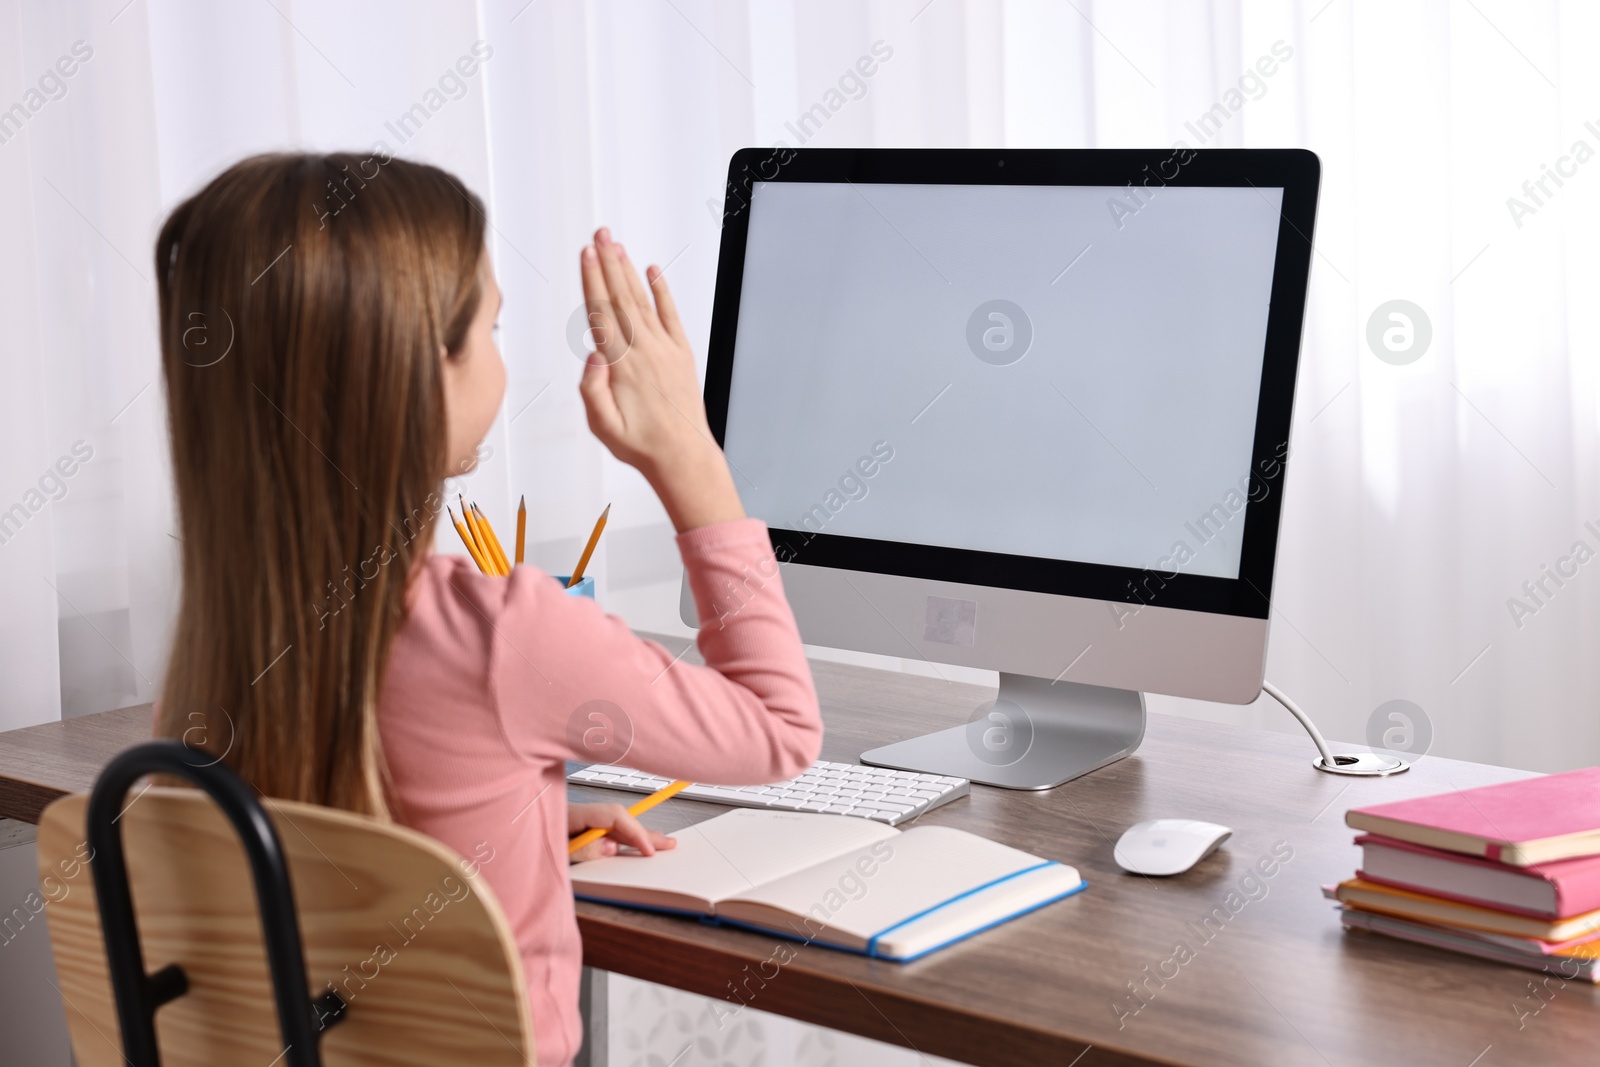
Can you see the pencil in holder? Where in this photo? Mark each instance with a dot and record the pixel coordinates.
(585, 586)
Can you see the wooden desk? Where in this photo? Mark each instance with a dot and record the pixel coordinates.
(40, 763)
(1277, 983)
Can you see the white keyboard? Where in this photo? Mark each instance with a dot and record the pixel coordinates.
(834, 788)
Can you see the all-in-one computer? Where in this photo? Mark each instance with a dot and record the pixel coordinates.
(1019, 410)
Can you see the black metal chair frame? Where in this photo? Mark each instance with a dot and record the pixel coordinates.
(138, 994)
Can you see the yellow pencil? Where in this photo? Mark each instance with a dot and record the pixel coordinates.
(522, 527)
(472, 526)
(495, 550)
(478, 538)
(588, 549)
(466, 539)
(492, 539)
(638, 809)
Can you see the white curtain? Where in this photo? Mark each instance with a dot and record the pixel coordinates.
(1422, 494)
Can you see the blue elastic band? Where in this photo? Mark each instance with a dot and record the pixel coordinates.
(872, 942)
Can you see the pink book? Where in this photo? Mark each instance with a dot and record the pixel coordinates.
(1522, 823)
(1555, 890)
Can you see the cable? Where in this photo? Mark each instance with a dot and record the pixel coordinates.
(1305, 720)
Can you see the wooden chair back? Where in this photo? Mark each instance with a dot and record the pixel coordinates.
(405, 931)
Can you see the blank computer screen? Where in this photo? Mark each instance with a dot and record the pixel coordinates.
(1063, 372)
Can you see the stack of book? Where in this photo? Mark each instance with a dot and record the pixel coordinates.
(1505, 872)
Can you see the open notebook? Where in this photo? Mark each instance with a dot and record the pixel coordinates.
(844, 882)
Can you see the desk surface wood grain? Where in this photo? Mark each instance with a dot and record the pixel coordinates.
(1264, 974)
(40, 763)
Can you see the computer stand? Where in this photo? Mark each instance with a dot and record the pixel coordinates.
(1035, 734)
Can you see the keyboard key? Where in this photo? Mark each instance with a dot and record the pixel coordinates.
(878, 805)
(718, 793)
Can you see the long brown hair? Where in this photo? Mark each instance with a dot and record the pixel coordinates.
(304, 304)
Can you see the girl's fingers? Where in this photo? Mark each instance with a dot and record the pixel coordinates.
(593, 851)
(581, 817)
(625, 829)
(605, 325)
(628, 830)
(666, 307)
(595, 293)
(614, 268)
(636, 289)
(610, 846)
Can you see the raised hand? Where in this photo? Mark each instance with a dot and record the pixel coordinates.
(640, 391)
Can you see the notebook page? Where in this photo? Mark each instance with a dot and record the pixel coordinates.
(732, 853)
(924, 867)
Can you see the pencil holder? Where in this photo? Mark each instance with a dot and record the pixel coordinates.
(585, 586)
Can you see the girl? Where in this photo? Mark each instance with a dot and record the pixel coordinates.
(329, 654)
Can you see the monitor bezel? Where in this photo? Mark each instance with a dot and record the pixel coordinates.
(1296, 171)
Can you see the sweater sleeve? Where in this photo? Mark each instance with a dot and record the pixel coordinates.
(571, 682)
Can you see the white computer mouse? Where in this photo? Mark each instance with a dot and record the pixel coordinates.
(1168, 846)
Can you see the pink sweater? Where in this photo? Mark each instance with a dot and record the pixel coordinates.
(493, 683)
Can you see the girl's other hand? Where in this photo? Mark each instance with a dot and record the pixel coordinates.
(625, 830)
(641, 393)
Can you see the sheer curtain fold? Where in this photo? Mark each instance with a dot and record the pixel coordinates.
(1432, 523)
